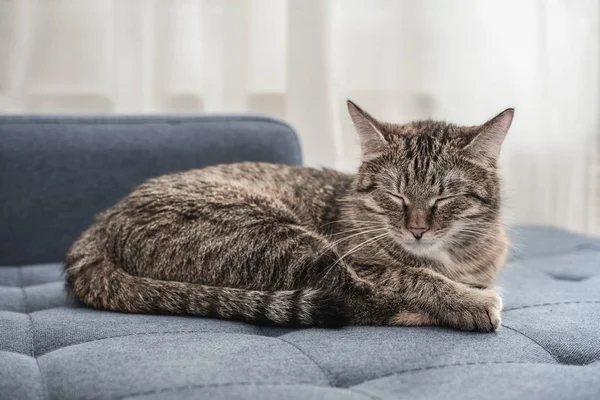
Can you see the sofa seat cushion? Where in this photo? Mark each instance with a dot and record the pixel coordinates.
(547, 348)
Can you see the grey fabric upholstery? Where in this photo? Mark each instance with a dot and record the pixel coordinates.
(57, 172)
(548, 347)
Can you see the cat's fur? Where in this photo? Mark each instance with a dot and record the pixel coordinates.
(298, 246)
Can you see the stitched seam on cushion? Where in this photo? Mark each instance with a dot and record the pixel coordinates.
(16, 352)
(369, 395)
(158, 333)
(553, 304)
(534, 341)
(23, 290)
(310, 358)
(31, 329)
(454, 365)
(225, 384)
(12, 312)
(37, 284)
(42, 379)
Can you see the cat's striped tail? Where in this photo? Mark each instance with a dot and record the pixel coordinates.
(101, 284)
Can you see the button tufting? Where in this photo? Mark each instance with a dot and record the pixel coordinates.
(569, 276)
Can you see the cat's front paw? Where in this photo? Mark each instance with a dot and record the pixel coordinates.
(475, 310)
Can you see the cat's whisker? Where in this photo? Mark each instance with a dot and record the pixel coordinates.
(353, 230)
(385, 247)
(334, 244)
(356, 234)
(483, 233)
(355, 248)
(350, 221)
(475, 230)
(472, 254)
(336, 235)
(484, 237)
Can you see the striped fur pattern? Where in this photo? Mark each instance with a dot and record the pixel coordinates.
(413, 238)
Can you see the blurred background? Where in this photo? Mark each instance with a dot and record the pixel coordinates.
(298, 60)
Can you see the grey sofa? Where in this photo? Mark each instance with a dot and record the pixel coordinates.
(56, 173)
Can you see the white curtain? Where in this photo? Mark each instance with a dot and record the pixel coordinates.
(460, 60)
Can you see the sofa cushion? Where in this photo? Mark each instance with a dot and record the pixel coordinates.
(547, 348)
(57, 172)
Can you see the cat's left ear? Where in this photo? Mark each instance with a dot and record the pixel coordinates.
(488, 140)
(372, 139)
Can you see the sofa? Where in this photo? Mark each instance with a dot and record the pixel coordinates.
(57, 172)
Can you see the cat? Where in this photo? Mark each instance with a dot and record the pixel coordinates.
(415, 237)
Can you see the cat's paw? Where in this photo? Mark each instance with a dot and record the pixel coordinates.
(476, 310)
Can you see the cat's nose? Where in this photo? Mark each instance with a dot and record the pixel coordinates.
(417, 232)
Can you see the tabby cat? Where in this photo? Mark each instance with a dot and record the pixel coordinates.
(413, 238)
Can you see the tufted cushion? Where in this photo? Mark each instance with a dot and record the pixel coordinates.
(548, 347)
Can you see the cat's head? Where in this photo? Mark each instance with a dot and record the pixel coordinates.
(433, 184)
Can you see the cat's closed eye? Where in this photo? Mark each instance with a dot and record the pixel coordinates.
(478, 197)
(399, 197)
(441, 201)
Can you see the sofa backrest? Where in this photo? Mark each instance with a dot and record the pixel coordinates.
(57, 173)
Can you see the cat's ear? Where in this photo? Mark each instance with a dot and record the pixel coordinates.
(488, 139)
(367, 127)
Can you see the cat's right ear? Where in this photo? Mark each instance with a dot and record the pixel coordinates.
(371, 138)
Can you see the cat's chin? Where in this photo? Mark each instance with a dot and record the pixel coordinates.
(422, 248)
